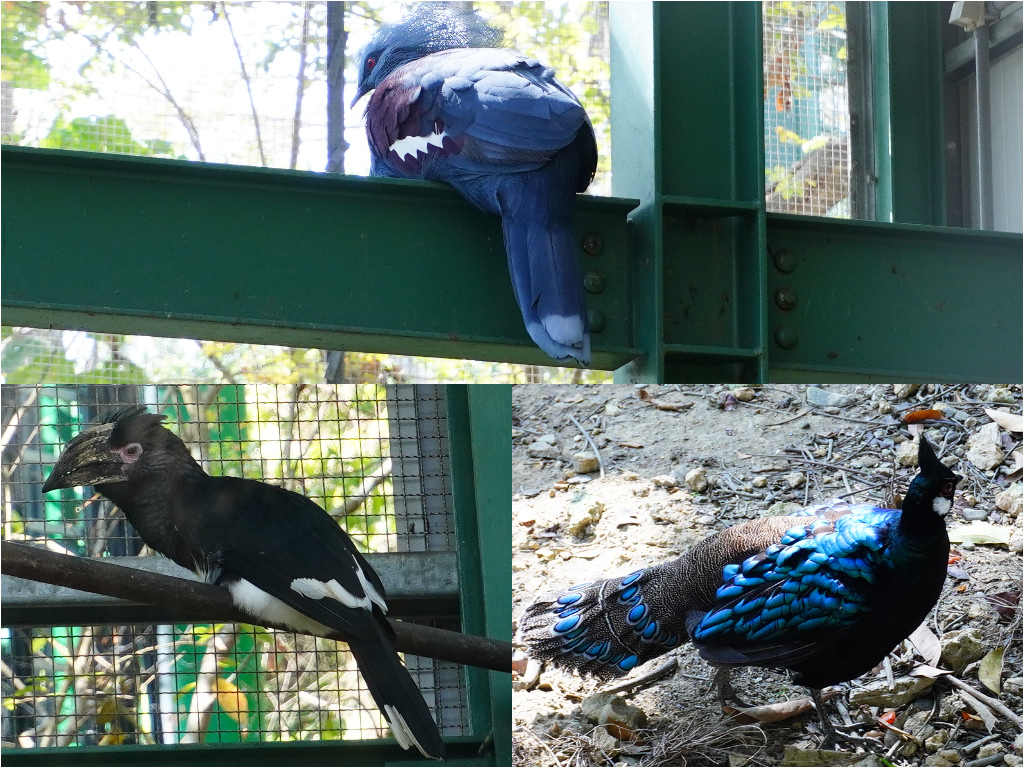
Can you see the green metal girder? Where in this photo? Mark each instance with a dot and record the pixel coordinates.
(873, 300)
(687, 128)
(142, 245)
(856, 300)
(481, 491)
(460, 750)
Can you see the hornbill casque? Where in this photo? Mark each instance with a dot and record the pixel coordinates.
(283, 558)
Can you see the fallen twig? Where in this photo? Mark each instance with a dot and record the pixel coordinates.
(996, 704)
(643, 681)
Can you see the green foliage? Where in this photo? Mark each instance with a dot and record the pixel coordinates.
(19, 63)
(101, 134)
(36, 356)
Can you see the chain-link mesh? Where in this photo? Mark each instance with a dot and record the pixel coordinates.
(39, 355)
(806, 108)
(375, 457)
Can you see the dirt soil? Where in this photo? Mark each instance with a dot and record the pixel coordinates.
(756, 448)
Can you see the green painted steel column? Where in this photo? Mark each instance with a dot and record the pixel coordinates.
(480, 444)
(636, 162)
(687, 139)
(906, 80)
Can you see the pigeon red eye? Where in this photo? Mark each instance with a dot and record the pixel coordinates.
(371, 63)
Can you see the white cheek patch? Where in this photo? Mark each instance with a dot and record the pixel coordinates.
(410, 145)
(941, 505)
(261, 605)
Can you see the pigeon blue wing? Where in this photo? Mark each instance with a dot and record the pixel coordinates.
(472, 111)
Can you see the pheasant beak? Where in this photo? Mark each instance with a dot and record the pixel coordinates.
(87, 460)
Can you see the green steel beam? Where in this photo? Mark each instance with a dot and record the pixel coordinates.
(480, 445)
(856, 300)
(460, 750)
(864, 300)
(160, 247)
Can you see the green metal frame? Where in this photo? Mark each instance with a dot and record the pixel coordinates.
(682, 268)
(480, 447)
(735, 294)
(160, 247)
(482, 489)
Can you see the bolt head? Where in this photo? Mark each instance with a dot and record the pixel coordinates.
(596, 320)
(785, 298)
(592, 243)
(593, 282)
(785, 261)
(785, 337)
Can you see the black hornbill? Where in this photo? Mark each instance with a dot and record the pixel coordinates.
(283, 558)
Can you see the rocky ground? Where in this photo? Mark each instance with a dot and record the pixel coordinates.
(682, 462)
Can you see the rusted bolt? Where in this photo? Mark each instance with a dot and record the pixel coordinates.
(785, 261)
(596, 320)
(785, 298)
(593, 244)
(593, 282)
(785, 337)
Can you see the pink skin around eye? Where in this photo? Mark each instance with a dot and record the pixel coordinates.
(129, 453)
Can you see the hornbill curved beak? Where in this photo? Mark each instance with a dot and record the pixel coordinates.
(87, 460)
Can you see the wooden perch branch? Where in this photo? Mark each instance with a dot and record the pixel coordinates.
(206, 600)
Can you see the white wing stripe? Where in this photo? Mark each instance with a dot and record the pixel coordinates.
(410, 145)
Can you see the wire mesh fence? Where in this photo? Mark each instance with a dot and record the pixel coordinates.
(375, 457)
(806, 108)
(198, 683)
(41, 356)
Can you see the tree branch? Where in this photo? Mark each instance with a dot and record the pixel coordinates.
(207, 600)
(248, 85)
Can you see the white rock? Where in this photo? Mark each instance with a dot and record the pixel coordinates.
(1010, 500)
(818, 396)
(585, 463)
(906, 454)
(902, 391)
(984, 449)
(697, 480)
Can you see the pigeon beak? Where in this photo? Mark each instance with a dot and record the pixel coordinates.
(361, 91)
(87, 460)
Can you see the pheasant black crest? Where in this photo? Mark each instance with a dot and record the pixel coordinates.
(283, 558)
(496, 125)
(826, 593)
